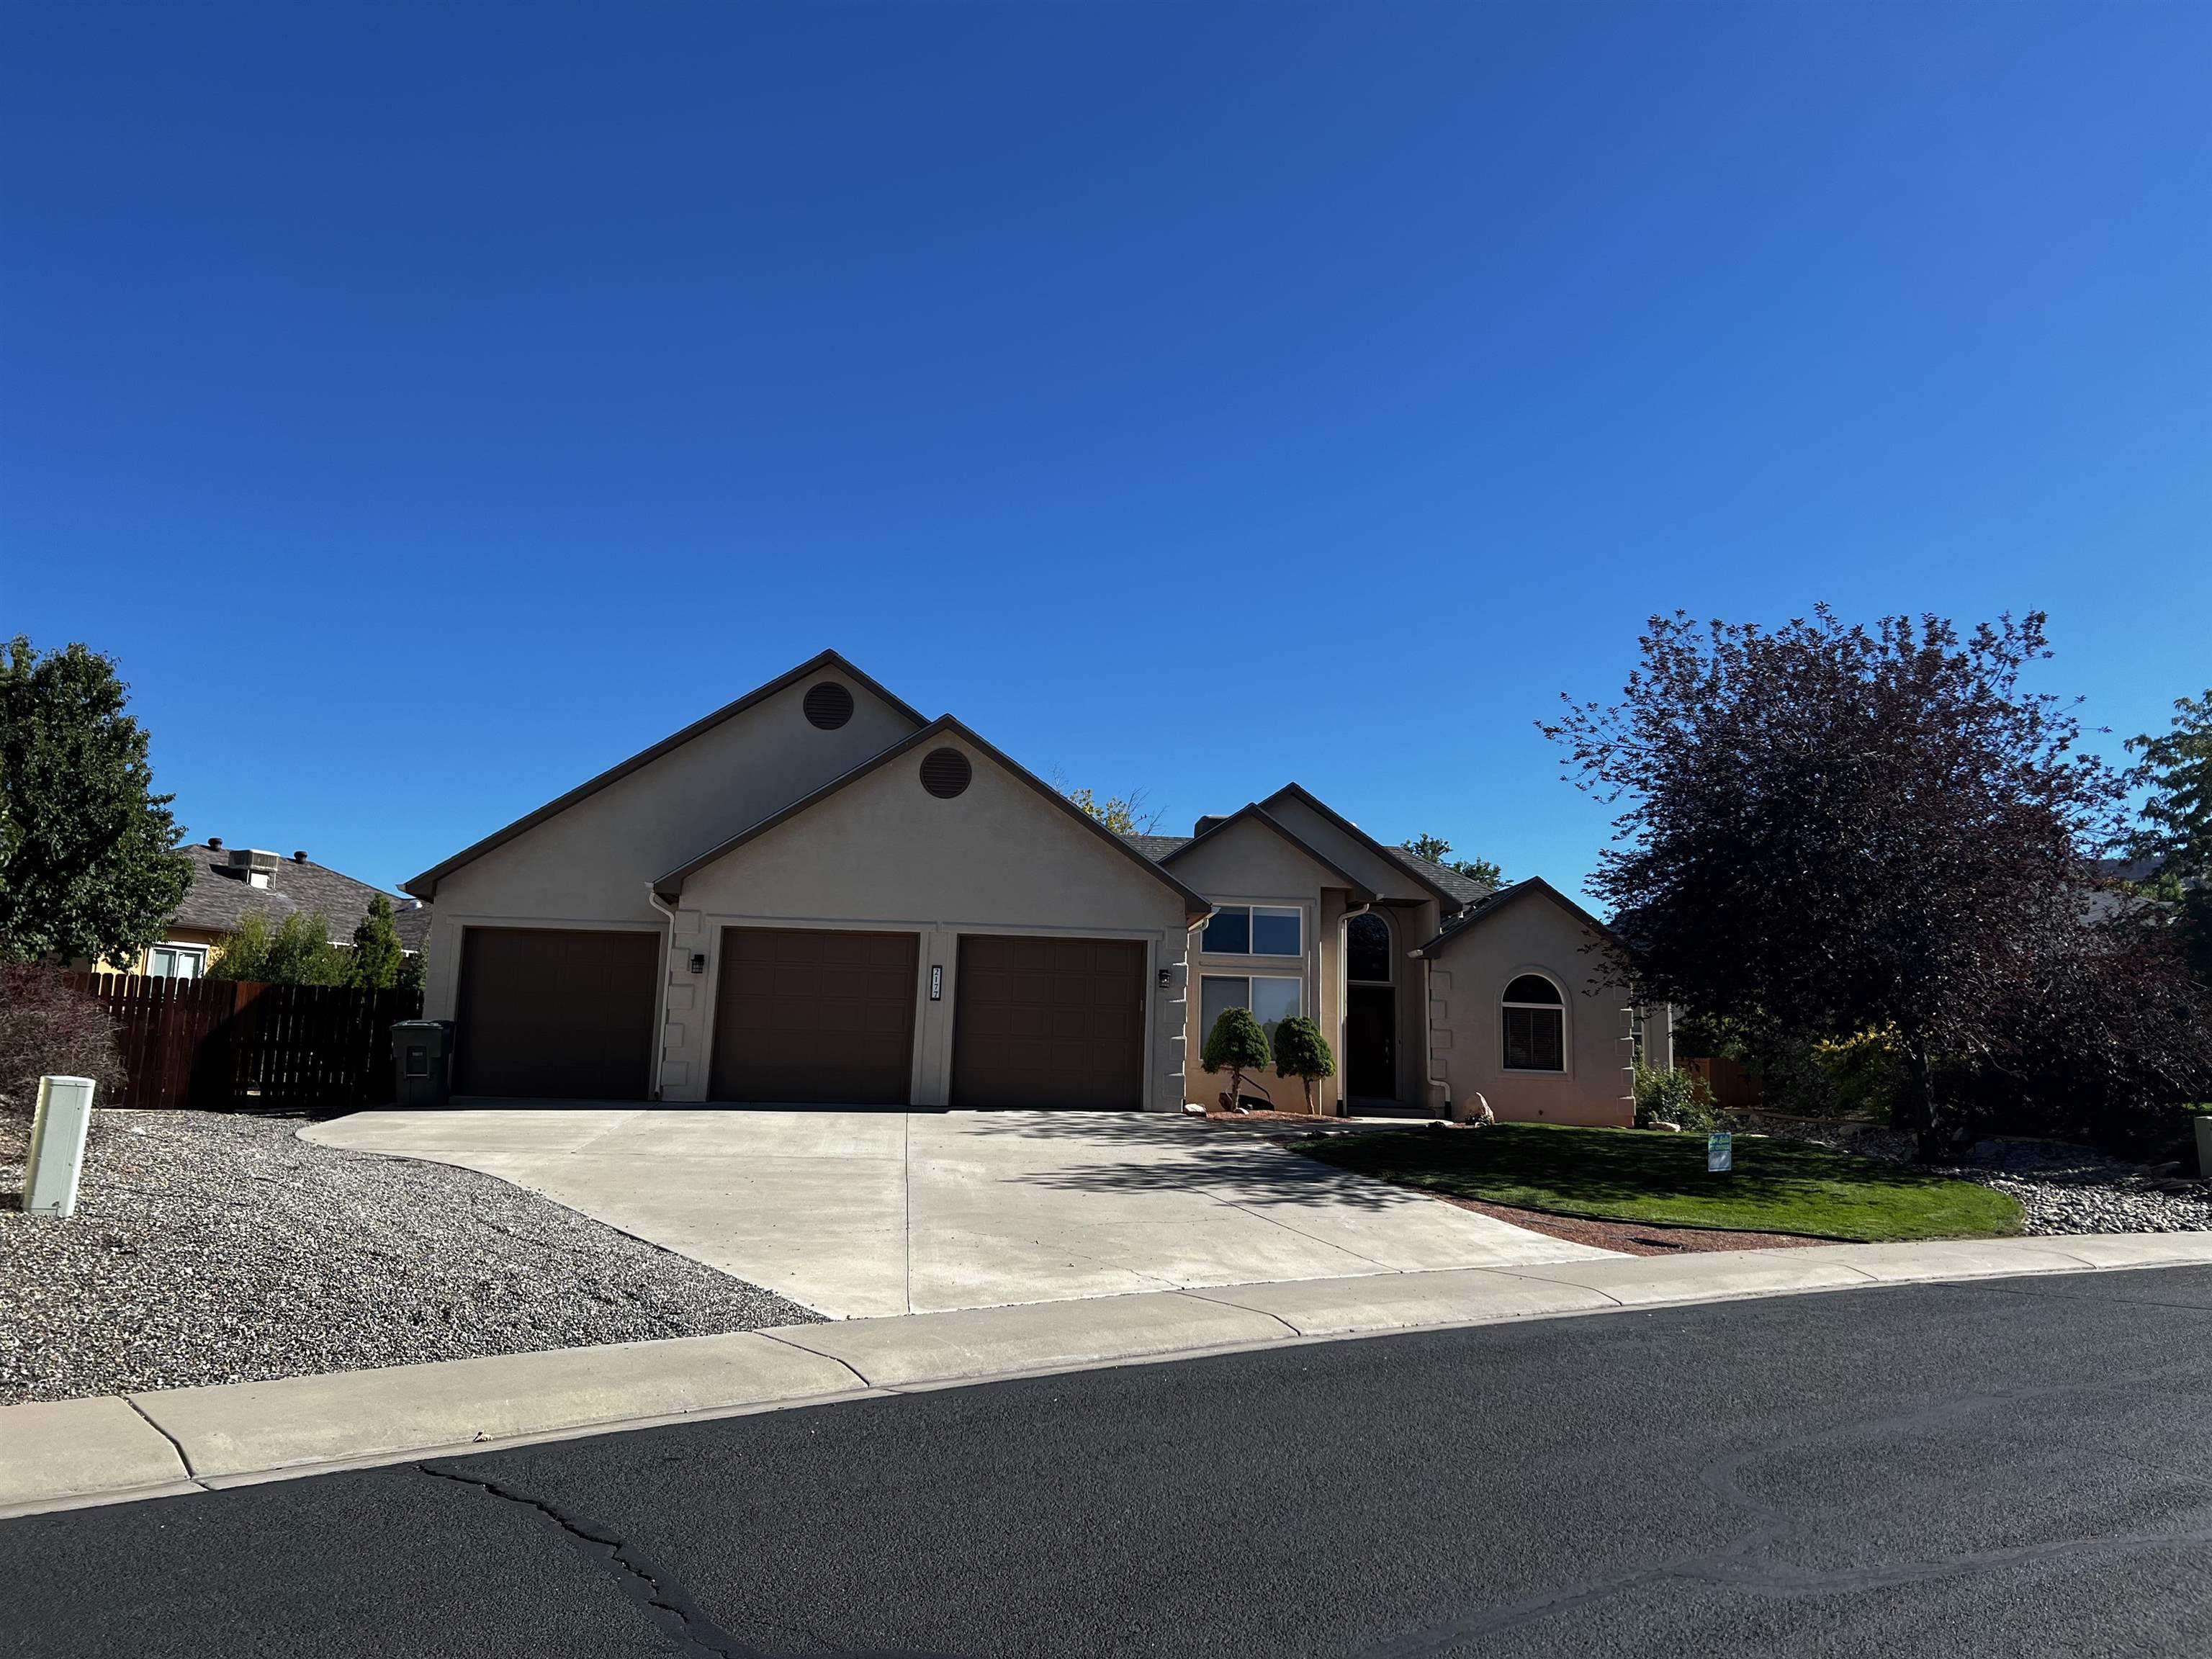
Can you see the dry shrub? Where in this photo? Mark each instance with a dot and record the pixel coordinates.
(47, 1029)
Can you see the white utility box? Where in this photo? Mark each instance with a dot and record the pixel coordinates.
(58, 1135)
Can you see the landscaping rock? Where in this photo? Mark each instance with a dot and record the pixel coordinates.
(209, 1248)
(2062, 1188)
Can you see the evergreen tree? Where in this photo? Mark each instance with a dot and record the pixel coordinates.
(88, 865)
(1236, 1044)
(376, 953)
(1302, 1052)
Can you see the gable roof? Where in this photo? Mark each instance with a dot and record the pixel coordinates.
(1258, 814)
(426, 884)
(1477, 913)
(1459, 891)
(1196, 907)
(220, 898)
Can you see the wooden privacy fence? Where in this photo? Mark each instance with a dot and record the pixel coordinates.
(1733, 1089)
(226, 1046)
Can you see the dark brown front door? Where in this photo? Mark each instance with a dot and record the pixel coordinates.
(1370, 1042)
(553, 1014)
(1049, 1022)
(811, 1017)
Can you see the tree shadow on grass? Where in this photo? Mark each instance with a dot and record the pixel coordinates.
(1785, 1185)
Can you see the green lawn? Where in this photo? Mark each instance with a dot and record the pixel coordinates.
(1655, 1178)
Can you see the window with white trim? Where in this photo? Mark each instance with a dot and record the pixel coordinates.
(1535, 1017)
(177, 962)
(1254, 930)
(1271, 1000)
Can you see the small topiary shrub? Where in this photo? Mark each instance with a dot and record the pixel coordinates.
(47, 1030)
(1302, 1052)
(1235, 1045)
(1666, 1094)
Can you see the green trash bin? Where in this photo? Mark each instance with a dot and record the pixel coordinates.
(422, 1055)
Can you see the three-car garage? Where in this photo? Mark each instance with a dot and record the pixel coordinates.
(806, 1016)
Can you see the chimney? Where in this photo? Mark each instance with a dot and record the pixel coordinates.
(1206, 824)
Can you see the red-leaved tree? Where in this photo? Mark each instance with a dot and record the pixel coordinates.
(1829, 830)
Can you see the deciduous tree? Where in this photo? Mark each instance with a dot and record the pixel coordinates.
(1437, 850)
(1829, 830)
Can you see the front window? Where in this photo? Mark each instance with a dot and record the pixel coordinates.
(1535, 1026)
(1253, 930)
(1271, 1000)
(1367, 949)
(176, 962)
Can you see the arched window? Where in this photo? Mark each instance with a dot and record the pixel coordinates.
(1367, 949)
(1535, 1026)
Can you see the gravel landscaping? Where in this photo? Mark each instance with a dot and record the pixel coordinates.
(217, 1249)
(2061, 1188)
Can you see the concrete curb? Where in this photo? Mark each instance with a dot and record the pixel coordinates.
(71, 1453)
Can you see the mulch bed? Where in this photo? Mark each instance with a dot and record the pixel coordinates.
(1631, 1237)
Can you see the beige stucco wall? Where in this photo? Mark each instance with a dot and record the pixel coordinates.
(1247, 863)
(1348, 853)
(592, 865)
(1466, 982)
(884, 855)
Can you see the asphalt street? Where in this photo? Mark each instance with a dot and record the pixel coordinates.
(2015, 1467)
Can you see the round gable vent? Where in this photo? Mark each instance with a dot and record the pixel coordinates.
(829, 705)
(945, 773)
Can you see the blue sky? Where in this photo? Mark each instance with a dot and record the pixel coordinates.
(429, 407)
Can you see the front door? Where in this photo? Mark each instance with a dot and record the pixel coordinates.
(1370, 1042)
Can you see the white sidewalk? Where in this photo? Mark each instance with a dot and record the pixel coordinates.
(180, 1441)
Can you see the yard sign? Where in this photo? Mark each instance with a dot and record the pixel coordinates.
(1720, 1153)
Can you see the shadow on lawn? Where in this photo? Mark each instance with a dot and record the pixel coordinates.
(1617, 1168)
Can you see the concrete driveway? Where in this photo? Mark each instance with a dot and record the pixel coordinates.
(859, 1213)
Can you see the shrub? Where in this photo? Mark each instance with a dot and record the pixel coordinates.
(376, 957)
(1665, 1094)
(1302, 1052)
(297, 951)
(47, 1029)
(1235, 1045)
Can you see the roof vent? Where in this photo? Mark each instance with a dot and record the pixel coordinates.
(829, 705)
(1210, 821)
(298, 858)
(255, 866)
(945, 773)
(215, 843)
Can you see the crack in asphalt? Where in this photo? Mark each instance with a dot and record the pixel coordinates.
(1732, 1566)
(669, 1608)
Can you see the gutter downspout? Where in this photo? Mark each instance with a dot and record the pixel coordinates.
(660, 992)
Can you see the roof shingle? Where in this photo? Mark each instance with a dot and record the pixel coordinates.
(220, 898)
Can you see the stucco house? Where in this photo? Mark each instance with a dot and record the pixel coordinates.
(818, 895)
(229, 883)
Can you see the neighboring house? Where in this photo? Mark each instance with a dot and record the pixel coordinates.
(817, 895)
(227, 883)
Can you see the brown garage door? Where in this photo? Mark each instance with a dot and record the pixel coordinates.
(1049, 1022)
(549, 1014)
(814, 1018)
